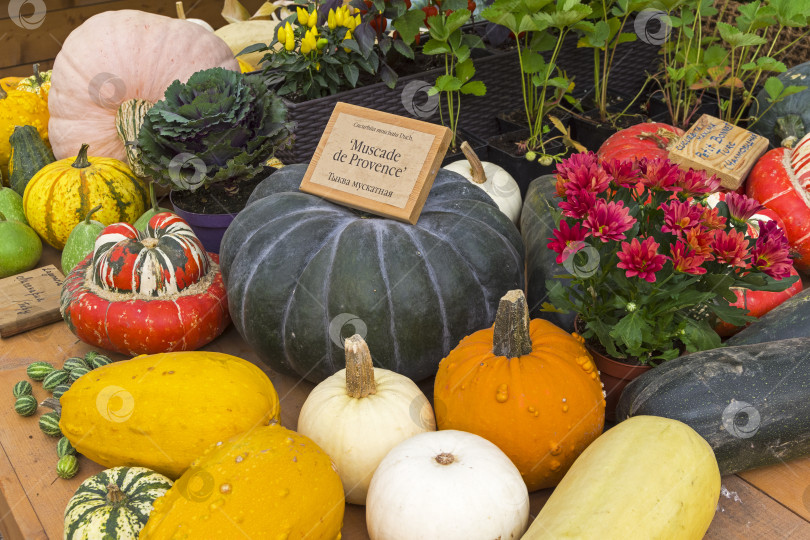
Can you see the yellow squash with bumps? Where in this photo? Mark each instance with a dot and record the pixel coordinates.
(162, 411)
(268, 483)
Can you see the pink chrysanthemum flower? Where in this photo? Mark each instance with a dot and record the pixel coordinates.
(578, 172)
(712, 220)
(771, 254)
(700, 241)
(624, 172)
(608, 220)
(659, 174)
(730, 247)
(742, 207)
(565, 236)
(694, 182)
(641, 259)
(577, 204)
(686, 260)
(680, 217)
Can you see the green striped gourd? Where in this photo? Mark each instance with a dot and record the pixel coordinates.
(128, 122)
(78, 372)
(64, 448)
(29, 154)
(22, 388)
(116, 502)
(67, 466)
(75, 362)
(49, 424)
(26, 405)
(38, 370)
(96, 360)
(55, 378)
(61, 389)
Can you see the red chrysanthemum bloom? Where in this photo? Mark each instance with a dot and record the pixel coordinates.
(624, 172)
(577, 204)
(608, 220)
(771, 254)
(641, 259)
(694, 182)
(700, 241)
(581, 171)
(730, 247)
(712, 220)
(742, 207)
(565, 236)
(680, 217)
(686, 260)
(659, 174)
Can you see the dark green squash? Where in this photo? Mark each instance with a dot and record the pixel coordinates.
(28, 155)
(538, 219)
(790, 319)
(303, 274)
(789, 117)
(751, 402)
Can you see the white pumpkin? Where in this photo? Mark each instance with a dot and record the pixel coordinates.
(181, 14)
(449, 484)
(360, 413)
(493, 179)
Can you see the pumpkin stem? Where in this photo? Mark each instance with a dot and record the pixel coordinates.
(153, 197)
(37, 75)
(3, 94)
(511, 336)
(181, 13)
(114, 494)
(53, 403)
(476, 167)
(2, 217)
(90, 213)
(445, 459)
(359, 368)
(81, 160)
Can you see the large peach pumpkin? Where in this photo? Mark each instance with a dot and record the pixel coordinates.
(527, 386)
(117, 56)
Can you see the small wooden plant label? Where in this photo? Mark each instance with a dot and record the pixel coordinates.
(377, 162)
(30, 300)
(719, 148)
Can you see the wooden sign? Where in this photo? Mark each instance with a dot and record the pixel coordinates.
(377, 162)
(30, 300)
(719, 148)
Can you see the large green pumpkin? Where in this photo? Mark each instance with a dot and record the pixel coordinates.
(303, 274)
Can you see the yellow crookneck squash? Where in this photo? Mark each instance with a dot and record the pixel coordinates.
(527, 386)
(58, 197)
(267, 483)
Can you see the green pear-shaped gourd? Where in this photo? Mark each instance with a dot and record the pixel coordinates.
(143, 221)
(81, 241)
(20, 248)
(11, 204)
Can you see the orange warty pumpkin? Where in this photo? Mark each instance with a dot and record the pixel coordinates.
(527, 386)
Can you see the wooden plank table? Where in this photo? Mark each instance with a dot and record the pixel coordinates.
(768, 503)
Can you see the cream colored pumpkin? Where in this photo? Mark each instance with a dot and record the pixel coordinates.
(240, 35)
(449, 484)
(493, 179)
(360, 413)
(117, 56)
(181, 14)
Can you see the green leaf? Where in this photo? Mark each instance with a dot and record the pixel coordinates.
(502, 17)
(533, 63)
(730, 314)
(402, 48)
(462, 53)
(448, 83)
(465, 70)
(699, 336)
(434, 46)
(630, 329)
(438, 30)
(766, 63)
(408, 26)
(352, 73)
(476, 88)
(456, 20)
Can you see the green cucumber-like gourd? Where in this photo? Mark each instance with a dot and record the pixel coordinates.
(11, 205)
(790, 319)
(78, 372)
(60, 389)
(49, 424)
(750, 402)
(64, 448)
(38, 370)
(67, 466)
(55, 378)
(645, 478)
(75, 362)
(96, 360)
(22, 388)
(116, 502)
(29, 154)
(81, 241)
(25, 405)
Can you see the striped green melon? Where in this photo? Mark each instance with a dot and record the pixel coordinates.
(26, 405)
(67, 466)
(75, 362)
(64, 448)
(49, 424)
(61, 389)
(115, 503)
(55, 378)
(78, 372)
(22, 388)
(38, 370)
(96, 360)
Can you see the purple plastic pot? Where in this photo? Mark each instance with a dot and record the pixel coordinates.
(209, 228)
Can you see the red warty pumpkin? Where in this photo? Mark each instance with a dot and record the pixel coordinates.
(780, 180)
(648, 140)
(146, 292)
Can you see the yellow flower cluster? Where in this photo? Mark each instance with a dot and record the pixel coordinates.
(344, 16)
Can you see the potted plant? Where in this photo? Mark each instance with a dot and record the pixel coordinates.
(652, 264)
(208, 140)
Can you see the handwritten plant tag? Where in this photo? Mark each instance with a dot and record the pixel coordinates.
(30, 300)
(377, 162)
(719, 148)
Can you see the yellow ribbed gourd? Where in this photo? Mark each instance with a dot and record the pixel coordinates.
(58, 197)
(268, 483)
(162, 411)
(648, 478)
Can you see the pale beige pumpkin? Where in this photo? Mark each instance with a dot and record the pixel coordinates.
(116, 56)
